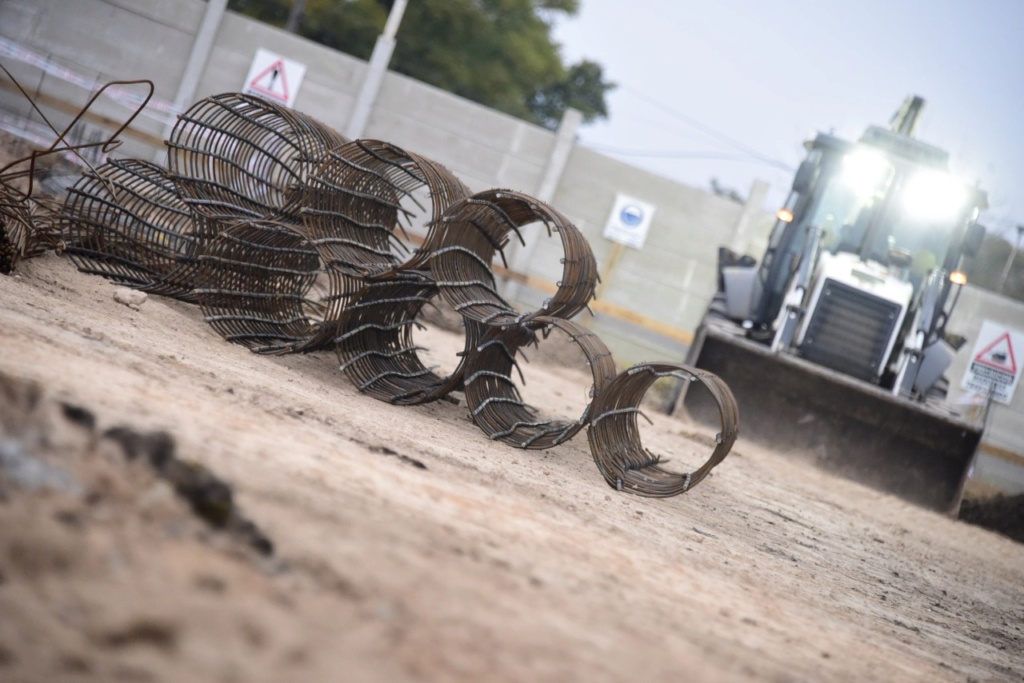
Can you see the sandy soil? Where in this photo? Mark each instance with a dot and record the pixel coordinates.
(409, 547)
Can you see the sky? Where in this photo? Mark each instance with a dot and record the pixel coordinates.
(730, 89)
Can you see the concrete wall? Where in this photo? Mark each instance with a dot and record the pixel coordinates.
(653, 298)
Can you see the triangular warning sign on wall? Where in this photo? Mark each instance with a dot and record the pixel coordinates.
(272, 82)
(999, 355)
(273, 77)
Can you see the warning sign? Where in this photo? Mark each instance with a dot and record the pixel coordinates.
(994, 369)
(274, 77)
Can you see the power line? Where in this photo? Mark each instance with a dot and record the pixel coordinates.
(620, 151)
(709, 131)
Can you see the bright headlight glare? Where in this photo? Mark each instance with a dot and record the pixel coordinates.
(864, 171)
(932, 195)
(958, 277)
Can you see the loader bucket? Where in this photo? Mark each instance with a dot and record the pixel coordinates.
(857, 430)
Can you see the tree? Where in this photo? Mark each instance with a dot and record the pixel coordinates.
(582, 87)
(499, 53)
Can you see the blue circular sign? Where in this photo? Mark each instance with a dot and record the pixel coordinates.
(631, 215)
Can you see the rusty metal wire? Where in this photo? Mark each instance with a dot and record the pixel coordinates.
(353, 205)
(614, 433)
(260, 285)
(126, 222)
(363, 193)
(292, 239)
(15, 227)
(241, 164)
(377, 350)
(473, 230)
(237, 156)
(494, 400)
(30, 222)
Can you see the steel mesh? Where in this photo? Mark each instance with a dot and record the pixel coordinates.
(126, 222)
(614, 432)
(494, 400)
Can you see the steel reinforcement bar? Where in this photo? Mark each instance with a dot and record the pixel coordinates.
(292, 239)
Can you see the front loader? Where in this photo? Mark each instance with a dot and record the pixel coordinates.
(835, 343)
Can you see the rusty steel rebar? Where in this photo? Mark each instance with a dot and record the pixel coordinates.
(238, 156)
(358, 198)
(377, 349)
(495, 402)
(31, 224)
(126, 222)
(471, 232)
(354, 205)
(15, 227)
(614, 432)
(292, 239)
(257, 285)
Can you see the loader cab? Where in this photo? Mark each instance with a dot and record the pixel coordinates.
(886, 202)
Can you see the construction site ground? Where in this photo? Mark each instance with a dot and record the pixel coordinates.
(409, 547)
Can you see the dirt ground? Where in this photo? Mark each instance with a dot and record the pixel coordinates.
(407, 546)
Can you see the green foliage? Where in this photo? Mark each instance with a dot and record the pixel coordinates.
(499, 53)
(582, 87)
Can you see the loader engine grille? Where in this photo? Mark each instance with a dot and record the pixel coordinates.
(849, 331)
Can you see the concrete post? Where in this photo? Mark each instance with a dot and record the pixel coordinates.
(201, 48)
(565, 138)
(742, 234)
(375, 70)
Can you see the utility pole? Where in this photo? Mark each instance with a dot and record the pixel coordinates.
(1011, 259)
(295, 16)
(375, 70)
(201, 48)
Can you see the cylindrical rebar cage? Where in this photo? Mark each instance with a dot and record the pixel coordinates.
(126, 222)
(614, 433)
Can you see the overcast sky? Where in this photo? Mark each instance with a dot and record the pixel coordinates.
(730, 89)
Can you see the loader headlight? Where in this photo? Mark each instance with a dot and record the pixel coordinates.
(865, 171)
(933, 195)
(958, 277)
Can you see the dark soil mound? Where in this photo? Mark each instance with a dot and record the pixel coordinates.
(1003, 514)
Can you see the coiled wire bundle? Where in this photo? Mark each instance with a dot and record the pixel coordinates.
(241, 164)
(238, 156)
(614, 433)
(495, 402)
(360, 196)
(470, 234)
(126, 222)
(255, 285)
(292, 237)
(354, 205)
(15, 227)
(29, 224)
